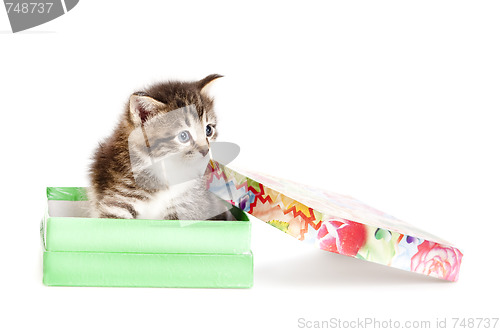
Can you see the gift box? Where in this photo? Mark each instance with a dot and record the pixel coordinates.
(335, 223)
(83, 251)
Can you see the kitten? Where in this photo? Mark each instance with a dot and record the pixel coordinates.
(153, 164)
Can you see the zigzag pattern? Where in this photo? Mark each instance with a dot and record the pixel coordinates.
(218, 172)
(356, 238)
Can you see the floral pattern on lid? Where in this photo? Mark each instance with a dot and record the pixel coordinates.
(336, 223)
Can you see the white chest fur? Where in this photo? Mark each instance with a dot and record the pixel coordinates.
(163, 202)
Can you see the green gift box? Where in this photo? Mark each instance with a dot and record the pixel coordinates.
(82, 251)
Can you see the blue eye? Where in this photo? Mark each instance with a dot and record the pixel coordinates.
(184, 136)
(209, 131)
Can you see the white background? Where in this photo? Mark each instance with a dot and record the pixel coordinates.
(395, 103)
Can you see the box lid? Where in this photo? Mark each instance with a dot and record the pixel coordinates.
(335, 223)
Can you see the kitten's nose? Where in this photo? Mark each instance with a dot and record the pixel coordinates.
(203, 150)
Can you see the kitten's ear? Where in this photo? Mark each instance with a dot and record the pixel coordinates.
(205, 83)
(142, 108)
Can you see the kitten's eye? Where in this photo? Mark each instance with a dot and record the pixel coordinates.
(184, 136)
(209, 131)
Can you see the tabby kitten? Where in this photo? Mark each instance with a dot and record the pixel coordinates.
(153, 164)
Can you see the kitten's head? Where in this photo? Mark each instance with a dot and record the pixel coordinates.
(172, 125)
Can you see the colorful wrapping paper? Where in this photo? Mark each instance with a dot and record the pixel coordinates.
(336, 223)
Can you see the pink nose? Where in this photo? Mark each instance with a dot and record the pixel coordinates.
(203, 151)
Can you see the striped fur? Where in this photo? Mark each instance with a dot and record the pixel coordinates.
(143, 170)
